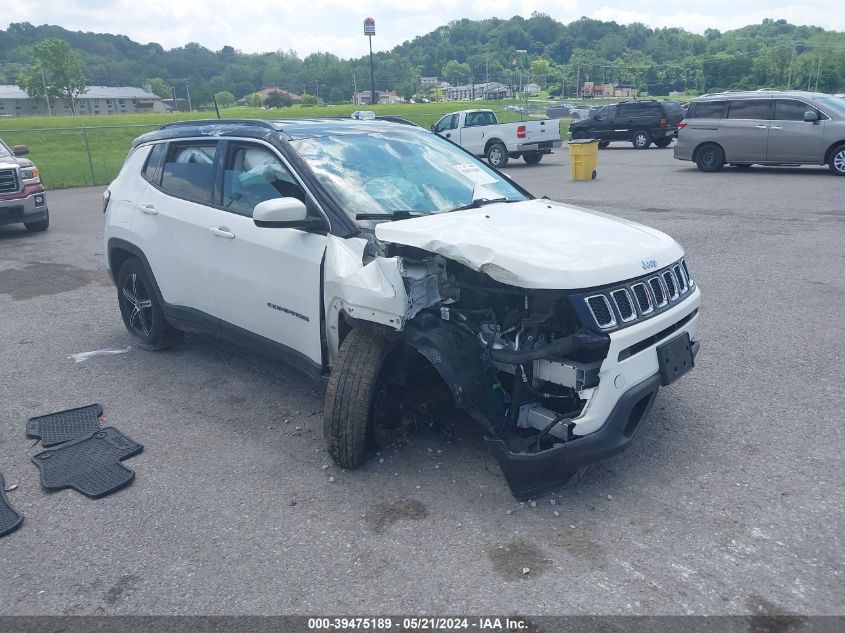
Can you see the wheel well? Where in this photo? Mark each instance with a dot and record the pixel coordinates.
(830, 149)
(700, 145)
(493, 141)
(117, 257)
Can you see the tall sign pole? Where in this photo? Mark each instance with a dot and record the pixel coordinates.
(369, 31)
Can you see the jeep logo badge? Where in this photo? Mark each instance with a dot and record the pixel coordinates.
(649, 264)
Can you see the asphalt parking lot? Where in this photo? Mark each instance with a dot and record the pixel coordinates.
(730, 502)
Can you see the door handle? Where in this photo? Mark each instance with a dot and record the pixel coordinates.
(222, 231)
(762, 127)
(149, 209)
(448, 135)
(776, 127)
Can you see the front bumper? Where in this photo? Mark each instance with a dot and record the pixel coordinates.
(628, 383)
(23, 209)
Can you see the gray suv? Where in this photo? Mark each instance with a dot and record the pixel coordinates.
(767, 127)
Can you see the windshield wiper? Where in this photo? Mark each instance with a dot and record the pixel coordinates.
(480, 202)
(393, 215)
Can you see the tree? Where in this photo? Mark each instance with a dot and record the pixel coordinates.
(159, 87)
(57, 73)
(254, 100)
(310, 100)
(225, 99)
(336, 95)
(455, 72)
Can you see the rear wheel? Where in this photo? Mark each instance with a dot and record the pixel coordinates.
(532, 158)
(710, 158)
(497, 155)
(641, 139)
(666, 141)
(604, 144)
(837, 161)
(141, 311)
(352, 394)
(37, 227)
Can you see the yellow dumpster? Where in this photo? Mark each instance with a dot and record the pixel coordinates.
(583, 154)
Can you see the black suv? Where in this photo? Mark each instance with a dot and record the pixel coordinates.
(641, 122)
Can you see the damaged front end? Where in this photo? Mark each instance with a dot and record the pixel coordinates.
(518, 361)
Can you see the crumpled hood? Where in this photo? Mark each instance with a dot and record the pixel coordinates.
(539, 244)
(10, 162)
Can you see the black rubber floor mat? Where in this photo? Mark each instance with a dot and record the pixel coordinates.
(64, 426)
(10, 520)
(89, 464)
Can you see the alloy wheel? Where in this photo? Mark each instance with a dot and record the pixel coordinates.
(139, 307)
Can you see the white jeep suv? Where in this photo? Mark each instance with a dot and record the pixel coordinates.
(409, 274)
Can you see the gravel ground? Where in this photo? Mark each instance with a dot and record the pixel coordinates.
(730, 501)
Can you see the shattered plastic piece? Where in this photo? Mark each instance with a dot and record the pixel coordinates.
(331, 480)
(83, 356)
(556, 513)
(525, 570)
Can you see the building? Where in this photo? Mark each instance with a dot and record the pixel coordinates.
(95, 100)
(384, 97)
(429, 83)
(592, 89)
(267, 90)
(484, 90)
(531, 90)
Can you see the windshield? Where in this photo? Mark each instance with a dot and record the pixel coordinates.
(399, 170)
(833, 104)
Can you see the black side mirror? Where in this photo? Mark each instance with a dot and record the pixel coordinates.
(811, 117)
(433, 125)
(20, 150)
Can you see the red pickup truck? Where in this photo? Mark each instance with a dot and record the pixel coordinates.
(22, 196)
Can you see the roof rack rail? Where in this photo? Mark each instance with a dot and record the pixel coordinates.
(196, 122)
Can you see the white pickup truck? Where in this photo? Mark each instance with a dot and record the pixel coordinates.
(479, 132)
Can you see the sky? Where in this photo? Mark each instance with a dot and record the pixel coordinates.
(336, 26)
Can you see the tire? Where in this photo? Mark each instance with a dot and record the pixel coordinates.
(641, 139)
(604, 144)
(38, 227)
(666, 141)
(140, 309)
(351, 394)
(532, 158)
(837, 160)
(580, 135)
(497, 155)
(710, 157)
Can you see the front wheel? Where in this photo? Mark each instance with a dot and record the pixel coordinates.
(532, 158)
(604, 144)
(497, 155)
(351, 395)
(666, 141)
(641, 139)
(38, 227)
(710, 158)
(140, 309)
(837, 161)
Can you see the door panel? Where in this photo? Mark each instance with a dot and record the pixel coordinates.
(791, 139)
(173, 231)
(266, 281)
(744, 131)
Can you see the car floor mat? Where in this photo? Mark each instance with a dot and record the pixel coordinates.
(63, 426)
(90, 465)
(10, 519)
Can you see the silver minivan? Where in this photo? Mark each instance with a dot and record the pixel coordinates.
(767, 127)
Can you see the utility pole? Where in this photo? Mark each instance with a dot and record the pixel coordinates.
(46, 93)
(789, 75)
(578, 81)
(188, 91)
(818, 72)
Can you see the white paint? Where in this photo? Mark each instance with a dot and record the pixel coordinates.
(538, 243)
(83, 356)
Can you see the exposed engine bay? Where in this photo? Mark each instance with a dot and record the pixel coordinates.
(518, 361)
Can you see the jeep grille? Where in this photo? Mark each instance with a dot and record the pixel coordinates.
(640, 298)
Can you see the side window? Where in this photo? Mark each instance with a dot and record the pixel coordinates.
(152, 170)
(749, 109)
(628, 110)
(651, 110)
(791, 110)
(706, 110)
(254, 174)
(189, 171)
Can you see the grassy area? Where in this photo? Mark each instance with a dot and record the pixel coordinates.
(61, 146)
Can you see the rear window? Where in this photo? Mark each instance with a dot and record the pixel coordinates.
(706, 109)
(673, 108)
(152, 170)
(750, 109)
(189, 171)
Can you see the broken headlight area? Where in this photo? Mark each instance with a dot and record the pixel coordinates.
(518, 361)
